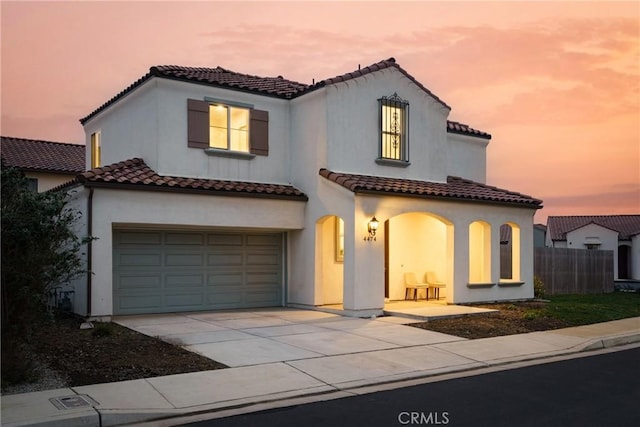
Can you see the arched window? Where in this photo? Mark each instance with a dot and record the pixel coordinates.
(479, 252)
(509, 252)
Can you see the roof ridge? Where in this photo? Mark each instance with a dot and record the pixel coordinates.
(40, 141)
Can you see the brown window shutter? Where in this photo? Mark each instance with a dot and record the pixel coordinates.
(197, 123)
(259, 133)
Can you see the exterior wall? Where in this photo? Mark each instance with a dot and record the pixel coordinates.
(366, 272)
(353, 128)
(77, 200)
(609, 241)
(175, 158)
(128, 128)
(151, 122)
(635, 257)
(467, 157)
(166, 210)
(539, 237)
(47, 181)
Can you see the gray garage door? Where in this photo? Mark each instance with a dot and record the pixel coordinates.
(170, 271)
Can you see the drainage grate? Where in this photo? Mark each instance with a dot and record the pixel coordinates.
(73, 402)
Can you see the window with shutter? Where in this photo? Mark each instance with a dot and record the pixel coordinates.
(228, 127)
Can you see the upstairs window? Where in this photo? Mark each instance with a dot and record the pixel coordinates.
(228, 128)
(394, 126)
(225, 127)
(95, 150)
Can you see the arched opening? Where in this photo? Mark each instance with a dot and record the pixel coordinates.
(329, 272)
(624, 262)
(509, 252)
(420, 243)
(479, 252)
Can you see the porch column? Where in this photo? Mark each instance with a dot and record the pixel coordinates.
(363, 269)
(460, 262)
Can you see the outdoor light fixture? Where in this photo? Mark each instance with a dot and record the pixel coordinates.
(372, 227)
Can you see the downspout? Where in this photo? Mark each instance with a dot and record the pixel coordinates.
(89, 247)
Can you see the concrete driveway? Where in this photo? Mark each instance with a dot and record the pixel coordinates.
(253, 337)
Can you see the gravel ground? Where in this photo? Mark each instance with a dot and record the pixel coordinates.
(48, 379)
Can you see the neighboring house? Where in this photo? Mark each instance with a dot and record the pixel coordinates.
(212, 189)
(617, 233)
(45, 164)
(539, 235)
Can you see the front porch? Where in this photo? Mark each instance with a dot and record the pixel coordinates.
(416, 310)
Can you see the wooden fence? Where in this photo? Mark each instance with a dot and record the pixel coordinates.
(574, 271)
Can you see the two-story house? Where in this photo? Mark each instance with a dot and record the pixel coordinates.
(211, 189)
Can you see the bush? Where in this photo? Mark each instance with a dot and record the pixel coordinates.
(538, 287)
(102, 329)
(39, 251)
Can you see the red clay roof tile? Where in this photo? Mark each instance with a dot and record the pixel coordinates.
(454, 188)
(270, 86)
(42, 156)
(135, 174)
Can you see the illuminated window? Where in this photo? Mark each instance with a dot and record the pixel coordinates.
(394, 125)
(95, 149)
(479, 252)
(228, 128)
(339, 239)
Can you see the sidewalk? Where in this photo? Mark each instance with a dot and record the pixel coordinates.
(119, 403)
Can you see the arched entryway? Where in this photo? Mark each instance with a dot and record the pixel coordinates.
(421, 243)
(329, 260)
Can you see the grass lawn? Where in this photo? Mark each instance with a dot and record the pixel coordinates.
(594, 308)
(558, 311)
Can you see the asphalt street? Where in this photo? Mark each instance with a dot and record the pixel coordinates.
(598, 390)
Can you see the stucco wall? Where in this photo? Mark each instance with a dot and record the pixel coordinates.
(370, 262)
(117, 208)
(47, 181)
(635, 257)
(151, 122)
(467, 157)
(353, 127)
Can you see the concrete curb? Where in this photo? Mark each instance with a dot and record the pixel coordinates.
(353, 389)
(612, 341)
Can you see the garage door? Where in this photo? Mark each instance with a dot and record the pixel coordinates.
(171, 271)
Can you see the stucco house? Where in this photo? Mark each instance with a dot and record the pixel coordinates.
(211, 189)
(46, 164)
(617, 233)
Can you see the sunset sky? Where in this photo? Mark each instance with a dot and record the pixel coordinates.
(557, 84)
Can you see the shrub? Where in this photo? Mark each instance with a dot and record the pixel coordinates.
(538, 287)
(39, 251)
(102, 329)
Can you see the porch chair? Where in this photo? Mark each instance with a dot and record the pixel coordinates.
(433, 282)
(411, 282)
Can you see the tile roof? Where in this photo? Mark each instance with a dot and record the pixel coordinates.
(271, 86)
(387, 63)
(455, 188)
(135, 174)
(625, 225)
(461, 128)
(42, 156)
